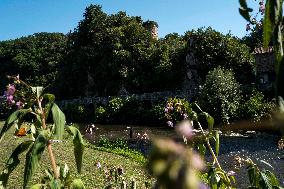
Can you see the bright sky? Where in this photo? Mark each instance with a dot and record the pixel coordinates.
(25, 17)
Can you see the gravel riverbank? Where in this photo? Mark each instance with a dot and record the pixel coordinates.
(257, 146)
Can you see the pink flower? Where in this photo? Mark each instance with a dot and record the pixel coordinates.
(10, 99)
(262, 9)
(170, 123)
(11, 89)
(99, 165)
(184, 128)
(231, 173)
(197, 161)
(248, 27)
(19, 104)
(203, 186)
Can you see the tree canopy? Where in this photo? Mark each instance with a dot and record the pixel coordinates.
(212, 49)
(35, 58)
(106, 52)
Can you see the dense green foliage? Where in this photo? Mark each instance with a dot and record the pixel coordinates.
(106, 52)
(36, 58)
(220, 95)
(129, 111)
(254, 107)
(254, 38)
(212, 49)
(119, 147)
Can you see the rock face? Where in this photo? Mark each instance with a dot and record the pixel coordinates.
(265, 68)
(192, 79)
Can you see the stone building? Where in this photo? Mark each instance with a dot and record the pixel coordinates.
(265, 69)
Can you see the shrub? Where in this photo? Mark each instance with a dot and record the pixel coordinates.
(177, 109)
(79, 113)
(220, 95)
(129, 111)
(117, 143)
(255, 107)
(100, 114)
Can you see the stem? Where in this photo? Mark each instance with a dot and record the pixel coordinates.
(49, 148)
(209, 146)
(52, 160)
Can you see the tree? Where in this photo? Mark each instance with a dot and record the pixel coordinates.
(36, 58)
(254, 39)
(212, 49)
(220, 95)
(106, 52)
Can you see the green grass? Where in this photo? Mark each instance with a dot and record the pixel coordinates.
(93, 177)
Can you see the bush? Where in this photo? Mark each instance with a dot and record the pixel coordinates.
(79, 113)
(176, 109)
(220, 95)
(255, 107)
(100, 114)
(129, 111)
(117, 143)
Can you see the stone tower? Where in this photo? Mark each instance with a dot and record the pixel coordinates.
(152, 27)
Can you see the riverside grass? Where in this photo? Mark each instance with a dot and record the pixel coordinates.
(92, 176)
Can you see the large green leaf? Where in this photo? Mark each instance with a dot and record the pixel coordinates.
(244, 10)
(13, 161)
(78, 146)
(49, 97)
(19, 114)
(209, 119)
(59, 121)
(268, 180)
(272, 19)
(37, 91)
(50, 100)
(253, 175)
(33, 157)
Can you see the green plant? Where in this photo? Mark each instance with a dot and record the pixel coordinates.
(177, 109)
(255, 108)
(212, 49)
(35, 57)
(79, 113)
(32, 101)
(220, 95)
(100, 114)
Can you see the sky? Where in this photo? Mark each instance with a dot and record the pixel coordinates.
(24, 17)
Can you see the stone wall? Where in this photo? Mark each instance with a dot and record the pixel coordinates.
(265, 68)
(152, 97)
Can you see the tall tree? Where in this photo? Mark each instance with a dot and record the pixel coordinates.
(212, 49)
(106, 52)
